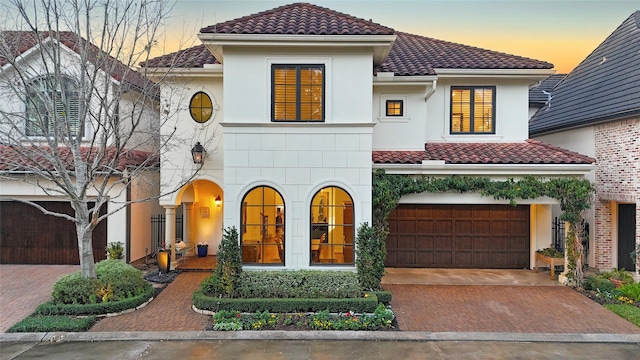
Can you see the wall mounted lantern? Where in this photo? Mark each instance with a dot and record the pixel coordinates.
(198, 153)
(218, 201)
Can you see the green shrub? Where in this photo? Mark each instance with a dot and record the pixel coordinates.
(384, 297)
(114, 251)
(125, 280)
(632, 291)
(38, 323)
(74, 289)
(621, 275)
(596, 282)
(298, 284)
(371, 252)
(229, 264)
(50, 308)
(289, 305)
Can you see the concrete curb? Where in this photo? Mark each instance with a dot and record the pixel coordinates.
(321, 335)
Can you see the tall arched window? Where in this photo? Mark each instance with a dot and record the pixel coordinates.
(52, 107)
(262, 227)
(332, 230)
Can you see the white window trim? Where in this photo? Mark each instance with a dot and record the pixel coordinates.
(382, 117)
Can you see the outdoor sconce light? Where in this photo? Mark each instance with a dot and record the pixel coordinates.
(218, 201)
(198, 153)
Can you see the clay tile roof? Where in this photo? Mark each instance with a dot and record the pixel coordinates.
(301, 19)
(419, 55)
(528, 152)
(15, 43)
(25, 159)
(193, 57)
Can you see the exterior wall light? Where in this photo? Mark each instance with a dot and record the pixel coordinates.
(198, 153)
(218, 201)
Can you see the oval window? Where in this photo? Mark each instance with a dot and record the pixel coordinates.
(201, 107)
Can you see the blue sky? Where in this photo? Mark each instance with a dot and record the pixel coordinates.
(562, 32)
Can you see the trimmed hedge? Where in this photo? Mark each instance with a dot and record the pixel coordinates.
(384, 297)
(39, 323)
(49, 308)
(285, 305)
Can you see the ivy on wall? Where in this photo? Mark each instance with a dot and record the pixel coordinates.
(574, 195)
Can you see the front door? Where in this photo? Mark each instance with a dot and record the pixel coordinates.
(626, 235)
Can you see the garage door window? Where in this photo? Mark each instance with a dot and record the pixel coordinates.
(331, 228)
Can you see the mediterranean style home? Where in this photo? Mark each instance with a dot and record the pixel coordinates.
(27, 235)
(595, 110)
(291, 110)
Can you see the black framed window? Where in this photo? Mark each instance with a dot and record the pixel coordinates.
(53, 107)
(473, 109)
(298, 93)
(332, 227)
(262, 223)
(394, 108)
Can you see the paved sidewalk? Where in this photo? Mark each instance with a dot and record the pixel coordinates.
(24, 287)
(170, 311)
(511, 309)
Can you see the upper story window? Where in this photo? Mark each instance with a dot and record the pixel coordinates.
(394, 108)
(52, 107)
(473, 109)
(201, 107)
(297, 92)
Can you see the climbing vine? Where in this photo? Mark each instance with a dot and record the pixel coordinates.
(574, 195)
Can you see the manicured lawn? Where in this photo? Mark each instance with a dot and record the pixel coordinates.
(629, 312)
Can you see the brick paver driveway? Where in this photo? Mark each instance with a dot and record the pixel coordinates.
(24, 287)
(498, 308)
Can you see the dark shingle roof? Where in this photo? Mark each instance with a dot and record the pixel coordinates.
(411, 55)
(604, 86)
(419, 55)
(193, 57)
(15, 43)
(301, 19)
(536, 95)
(528, 152)
(28, 158)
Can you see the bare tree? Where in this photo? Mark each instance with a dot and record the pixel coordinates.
(76, 120)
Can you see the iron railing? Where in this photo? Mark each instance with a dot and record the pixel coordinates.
(158, 222)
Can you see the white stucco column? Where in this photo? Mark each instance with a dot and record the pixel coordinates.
(189, 225)
(170, 232)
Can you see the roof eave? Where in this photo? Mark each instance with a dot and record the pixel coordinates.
(531, 74)
(381, 44)
(211, 70)
(589, 122)
(487, 169)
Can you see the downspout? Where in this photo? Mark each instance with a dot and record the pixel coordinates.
(431, 91)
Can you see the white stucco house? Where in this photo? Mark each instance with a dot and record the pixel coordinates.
(29, 78)
(595, 110)
(296, 106)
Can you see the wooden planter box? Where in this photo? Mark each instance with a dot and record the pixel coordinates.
(551, 261)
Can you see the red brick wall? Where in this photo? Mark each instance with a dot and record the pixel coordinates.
(617, 150)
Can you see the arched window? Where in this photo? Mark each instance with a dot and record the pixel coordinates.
(332, 230)
(52, 107)
(262, 223)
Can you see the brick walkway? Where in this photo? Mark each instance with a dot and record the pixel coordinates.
(24, 287)
(519, 309)
(170, 311)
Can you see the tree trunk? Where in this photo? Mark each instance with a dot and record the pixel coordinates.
(85, 246)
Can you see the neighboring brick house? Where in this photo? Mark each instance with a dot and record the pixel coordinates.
(297, 105)
(596, 110)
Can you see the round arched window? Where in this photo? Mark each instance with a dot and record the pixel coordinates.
(332, 227)
(201, 107)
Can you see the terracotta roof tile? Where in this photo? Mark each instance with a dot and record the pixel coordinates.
(193, 57)
(419, 55)
(302, 19)
(21, 159)
(15, 43)
(528, 152)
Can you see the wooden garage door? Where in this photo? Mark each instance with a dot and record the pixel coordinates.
(29, 237)
(459, 236)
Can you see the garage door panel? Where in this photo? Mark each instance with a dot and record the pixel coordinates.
(464, 236)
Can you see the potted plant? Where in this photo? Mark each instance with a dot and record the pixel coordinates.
(203, 249)
(618, 277)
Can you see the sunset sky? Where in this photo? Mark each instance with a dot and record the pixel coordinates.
(562, 32)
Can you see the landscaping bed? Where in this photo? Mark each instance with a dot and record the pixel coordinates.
(615, 290)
